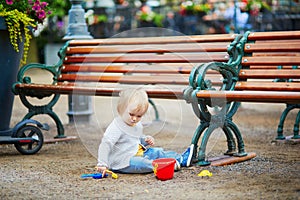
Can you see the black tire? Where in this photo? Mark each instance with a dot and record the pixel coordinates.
(29, 131)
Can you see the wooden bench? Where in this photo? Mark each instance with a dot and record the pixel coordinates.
(103, 67)
(267, 72)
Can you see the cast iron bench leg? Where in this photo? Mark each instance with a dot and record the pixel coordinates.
(44, 109)
(283, 116)
(296, 127)
(207, 126)
(155, 109)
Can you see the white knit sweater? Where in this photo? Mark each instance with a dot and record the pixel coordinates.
(119, 143)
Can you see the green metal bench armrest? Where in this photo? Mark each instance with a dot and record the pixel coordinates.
(53, 69)
(228, 70)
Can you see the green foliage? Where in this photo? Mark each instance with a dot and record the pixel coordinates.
(192, 8)
(257, 5)
(202, 8)
(22, 6)
(151, 17)
(157, 20)
(59, 8)
(102, 18)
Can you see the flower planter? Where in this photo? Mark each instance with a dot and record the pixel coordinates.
(9, 65)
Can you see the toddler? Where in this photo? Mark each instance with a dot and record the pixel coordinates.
(124, 148)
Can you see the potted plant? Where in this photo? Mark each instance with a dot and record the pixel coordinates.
(190, 8)
(148, 18)
(18, 18)
(254, 7)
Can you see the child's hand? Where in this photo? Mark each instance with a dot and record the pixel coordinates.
(149, 140)
(101, 170)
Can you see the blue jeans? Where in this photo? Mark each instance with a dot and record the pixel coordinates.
(143, 164)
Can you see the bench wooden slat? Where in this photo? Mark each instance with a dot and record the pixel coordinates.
(251, 96)
(180, 69)
(275, 35)
(153, 91)
(140, 79)
(157, 40)
(270, 47)
(159, 68)
(268, 86)
(273, 54)
(269, 73)
(165, 48)
(271, 66)
(276, 60)
(149, 58)
(277, 41)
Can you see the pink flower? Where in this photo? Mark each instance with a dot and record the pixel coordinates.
(9, 2)
(44, 4)
(36, 7)
(41, 14)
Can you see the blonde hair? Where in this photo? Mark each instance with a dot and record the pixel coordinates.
(133, 95)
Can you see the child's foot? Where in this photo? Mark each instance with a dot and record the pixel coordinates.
(187, 156)
(177, 166)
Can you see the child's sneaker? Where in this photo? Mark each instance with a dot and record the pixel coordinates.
(187, 156)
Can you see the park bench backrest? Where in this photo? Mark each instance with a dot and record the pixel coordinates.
(149, 60)
(271, 63)
(267, 70)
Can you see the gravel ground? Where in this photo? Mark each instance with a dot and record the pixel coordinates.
(54, 172)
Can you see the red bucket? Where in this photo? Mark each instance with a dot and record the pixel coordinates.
(164, 168)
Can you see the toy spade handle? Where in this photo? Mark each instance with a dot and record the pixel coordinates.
(99, 175)
(113, 175)
(94, 176)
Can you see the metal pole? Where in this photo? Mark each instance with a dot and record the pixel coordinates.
(80, 107)
(236, 29)
(77, 28)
